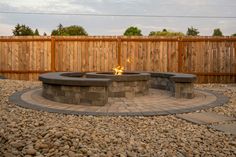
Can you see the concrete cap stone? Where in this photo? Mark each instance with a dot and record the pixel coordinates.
(176, 77)
(72, 79)
(182, 78)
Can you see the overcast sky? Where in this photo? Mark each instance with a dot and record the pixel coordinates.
(117, 25)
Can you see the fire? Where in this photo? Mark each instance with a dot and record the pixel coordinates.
(118, 70)
(129, 60)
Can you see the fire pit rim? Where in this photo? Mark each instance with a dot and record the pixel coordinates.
(127, 77)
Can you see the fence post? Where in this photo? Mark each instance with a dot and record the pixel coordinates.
(119, 50)
(53, 67)
(180, 54)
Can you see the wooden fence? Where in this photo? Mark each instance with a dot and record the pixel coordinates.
(212, 59)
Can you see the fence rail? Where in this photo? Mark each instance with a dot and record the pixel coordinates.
(213, 59)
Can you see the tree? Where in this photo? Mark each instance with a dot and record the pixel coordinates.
(44, 34)
(217, 32)
(233, 35)
(164, 32)
(70, 30)
(36, 32)
(22, 30)
(192, 31)
(133, 31)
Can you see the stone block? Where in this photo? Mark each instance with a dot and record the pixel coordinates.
(127, 88)
(164, 82)
(99, 102)
(84, 89)
(86, 101)
(45, 86)
(120, 88)
(115, 84)
(47, 95)
(59, 93)
(76, 89)
(69, 94)
(77, 96)
(184, 90)
(76, 101)
(141, 93)
(54, 88)
(48, 91)
(95, 96)
(116, 94)
(129, 95)
(97, 89)
(58, 99)
(66, 88)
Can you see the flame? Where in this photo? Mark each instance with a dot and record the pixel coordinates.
(118, 70)
(129, 60)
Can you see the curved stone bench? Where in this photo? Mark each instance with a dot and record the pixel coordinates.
(73, 88)
(180, 85)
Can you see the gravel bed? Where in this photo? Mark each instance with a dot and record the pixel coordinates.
(25, 132)
(229, 90)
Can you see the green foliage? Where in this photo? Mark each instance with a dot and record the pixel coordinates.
(22, 30)
(69, 31)
(133, 31)
(36, 32)
(217, 32)
(192, 31)
(164, 32)
(233, 35)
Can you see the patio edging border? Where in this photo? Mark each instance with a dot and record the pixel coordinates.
(16, 99)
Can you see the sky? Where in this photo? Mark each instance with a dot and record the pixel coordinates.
(117, 25)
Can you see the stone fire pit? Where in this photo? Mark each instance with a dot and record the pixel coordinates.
(94, 88)
(128, 85)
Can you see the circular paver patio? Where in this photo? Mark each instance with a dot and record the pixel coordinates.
(158, 102)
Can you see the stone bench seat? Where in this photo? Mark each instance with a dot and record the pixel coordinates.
(185, 78)
(72, 79)
(180, 85)
(73, 88)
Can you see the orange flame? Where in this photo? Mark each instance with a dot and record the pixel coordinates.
(118, 70)
(129, 60)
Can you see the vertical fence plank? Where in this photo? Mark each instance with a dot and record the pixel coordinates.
(105, 56)
(145, 56)
(53, 68)
(180, 54)
(129, 55)
(119, 49)
(31, 61)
